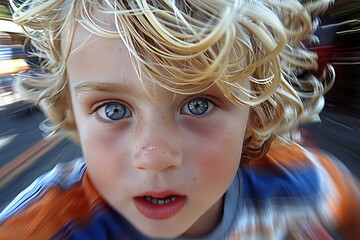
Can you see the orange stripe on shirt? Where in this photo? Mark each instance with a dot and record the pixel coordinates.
(46, 216)
(346, 208)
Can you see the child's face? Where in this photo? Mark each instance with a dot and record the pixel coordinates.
(165, 164)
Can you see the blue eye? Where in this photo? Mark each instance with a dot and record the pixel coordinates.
(113, 111)
(197, 106)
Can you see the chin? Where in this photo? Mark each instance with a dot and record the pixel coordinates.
(162, 232)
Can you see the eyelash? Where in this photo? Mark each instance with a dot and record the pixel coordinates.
(187, 107)
(114, 108)
(122, 111)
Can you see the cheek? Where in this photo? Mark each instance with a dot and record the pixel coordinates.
(103, 148)
(95, 138)
(217, 155)
(107, 161)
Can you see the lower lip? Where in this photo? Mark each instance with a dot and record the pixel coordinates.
(159, 212)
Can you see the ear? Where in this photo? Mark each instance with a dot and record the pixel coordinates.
(248, 137)
(252, 123)
(254, 146)
(69, 121)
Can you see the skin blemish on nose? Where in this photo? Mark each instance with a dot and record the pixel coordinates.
(194, 179)
(148, 149)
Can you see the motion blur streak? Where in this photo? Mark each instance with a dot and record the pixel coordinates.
(21, 163)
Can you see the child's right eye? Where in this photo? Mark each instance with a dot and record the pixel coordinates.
(113, 111)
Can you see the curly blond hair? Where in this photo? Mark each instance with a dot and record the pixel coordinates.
(197, 44)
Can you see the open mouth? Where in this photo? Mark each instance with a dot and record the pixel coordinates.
(159, 206)
(160, 201)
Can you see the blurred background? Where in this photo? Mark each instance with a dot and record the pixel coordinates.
(25, 154)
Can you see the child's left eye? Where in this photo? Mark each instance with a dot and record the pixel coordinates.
(197, 106)
(113, 111)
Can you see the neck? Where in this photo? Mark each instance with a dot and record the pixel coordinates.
(208, 221)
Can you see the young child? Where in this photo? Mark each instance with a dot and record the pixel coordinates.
(185, 112)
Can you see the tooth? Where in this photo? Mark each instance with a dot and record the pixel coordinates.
(160, 201)
(154, 200)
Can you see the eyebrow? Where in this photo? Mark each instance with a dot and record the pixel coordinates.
(86, 87)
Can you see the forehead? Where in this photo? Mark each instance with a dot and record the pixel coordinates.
(91, 55)
(95, 59)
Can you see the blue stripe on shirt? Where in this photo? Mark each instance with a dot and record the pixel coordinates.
(297, 184)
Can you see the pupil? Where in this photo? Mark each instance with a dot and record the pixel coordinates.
(198, 106)
(115, 111)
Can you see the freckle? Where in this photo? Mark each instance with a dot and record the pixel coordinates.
(143, 148)
(194, 179)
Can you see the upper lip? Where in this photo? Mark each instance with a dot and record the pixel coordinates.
(160, 194)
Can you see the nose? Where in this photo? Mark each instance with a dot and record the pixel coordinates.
(158, 146)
